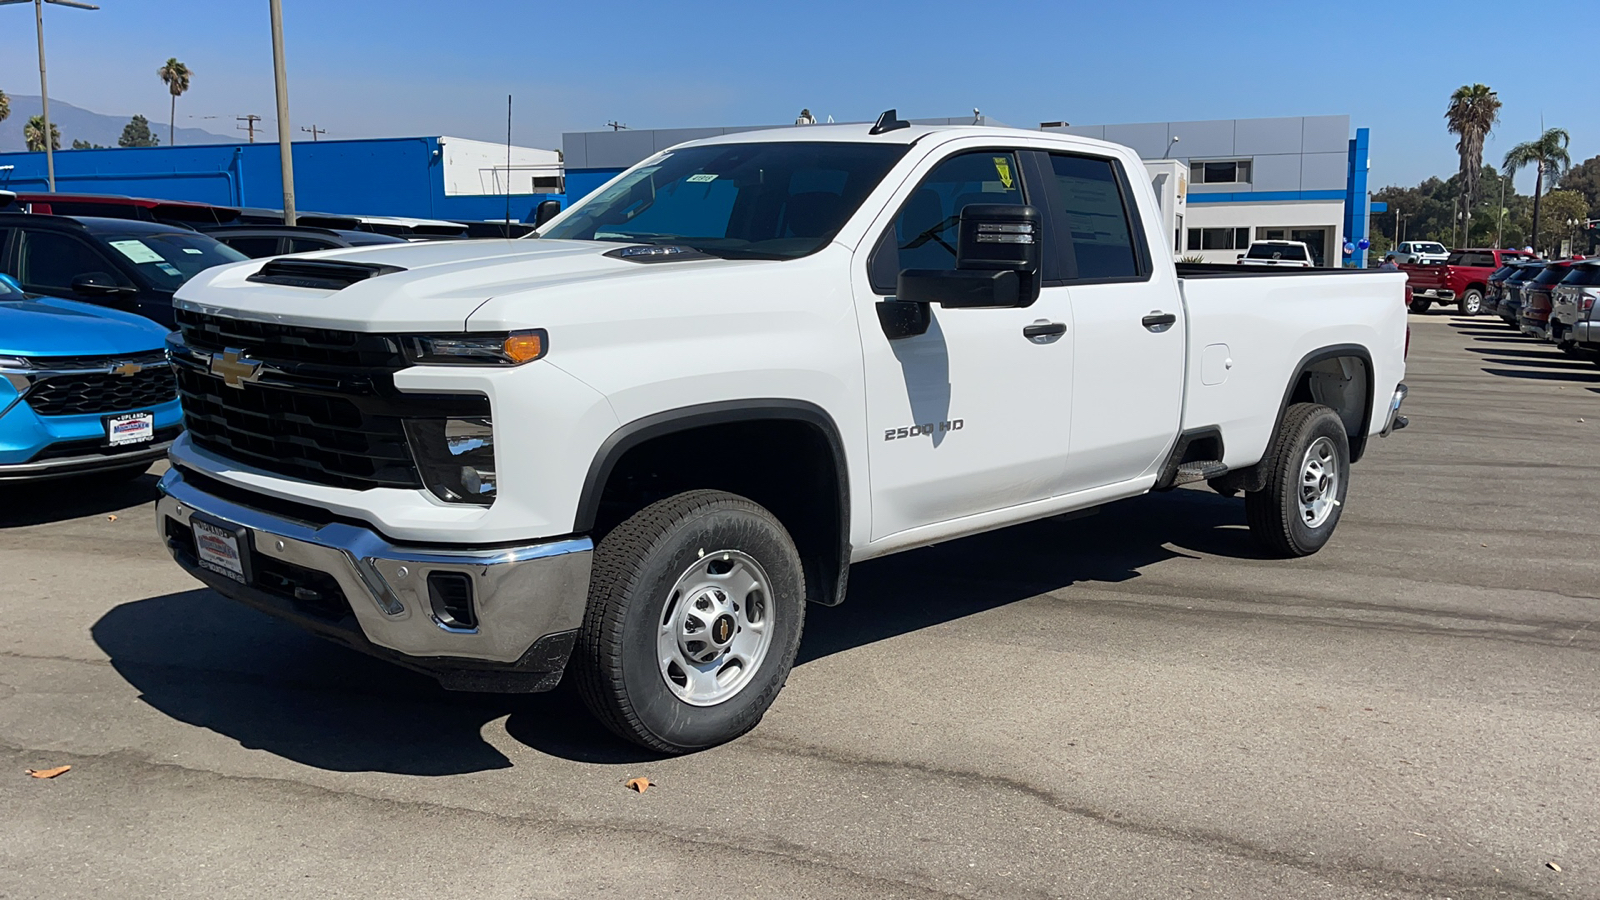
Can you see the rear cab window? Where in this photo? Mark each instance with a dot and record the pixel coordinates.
(1092, 203)
(1292, 252)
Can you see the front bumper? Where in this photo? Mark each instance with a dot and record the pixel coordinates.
(1394, 421)
(344, 581)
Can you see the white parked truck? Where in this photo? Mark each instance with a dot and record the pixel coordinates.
(635, 446)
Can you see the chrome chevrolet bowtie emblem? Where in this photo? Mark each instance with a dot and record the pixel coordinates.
(234, 371)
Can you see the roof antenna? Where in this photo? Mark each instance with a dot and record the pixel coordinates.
(889, 121)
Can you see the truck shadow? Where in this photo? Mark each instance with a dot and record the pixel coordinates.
(217, 665)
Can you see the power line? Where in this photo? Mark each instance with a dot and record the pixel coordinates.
(314, 130)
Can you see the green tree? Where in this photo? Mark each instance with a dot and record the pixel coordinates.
(175, 75)
(1472, 114)
(5, 106)
(85, 145)
(1559, 208)
(137, 134)
(1549, 153)
(33, 135)
(1585, 179)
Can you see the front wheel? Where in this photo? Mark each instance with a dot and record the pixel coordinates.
(1297, 510)
(696, 604)
(1470, 303)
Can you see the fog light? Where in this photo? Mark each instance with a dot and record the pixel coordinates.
(455, 457)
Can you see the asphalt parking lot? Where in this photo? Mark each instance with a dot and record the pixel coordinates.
(1131, 704)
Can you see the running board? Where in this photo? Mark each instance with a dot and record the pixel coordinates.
(1199, 470)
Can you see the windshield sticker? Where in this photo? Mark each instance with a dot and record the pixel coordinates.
(702, 178)
(1002, 167)
(137, 251)
(170, 269)
(191, 251)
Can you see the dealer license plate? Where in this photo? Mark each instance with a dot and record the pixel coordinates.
(130, 428)
(218, 550)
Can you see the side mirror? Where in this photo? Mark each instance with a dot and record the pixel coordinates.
(997, 262)
(545, 211)
(10, 282)
(98, 284)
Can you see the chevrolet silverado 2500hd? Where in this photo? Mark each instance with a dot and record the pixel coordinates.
(636, 445)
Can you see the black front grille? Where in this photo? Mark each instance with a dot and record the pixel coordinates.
(289, 344)
(74, 395)
(321, 436)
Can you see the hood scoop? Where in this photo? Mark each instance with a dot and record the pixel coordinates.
(657, 253)
(321, 274)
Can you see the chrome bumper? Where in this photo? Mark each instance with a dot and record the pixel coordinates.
(1394, 422)
(88, 464)
(521, 594)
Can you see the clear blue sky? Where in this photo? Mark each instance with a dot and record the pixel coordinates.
(372, 68)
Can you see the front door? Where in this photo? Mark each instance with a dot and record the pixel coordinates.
(971, 416)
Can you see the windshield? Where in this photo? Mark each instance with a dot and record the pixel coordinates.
(1427, 248)
(1277, 251)
(739, 201)
(169, 260)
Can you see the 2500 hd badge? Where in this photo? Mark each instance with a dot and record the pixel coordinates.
(911, 431)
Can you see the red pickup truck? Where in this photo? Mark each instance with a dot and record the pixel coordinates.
(1462, 279)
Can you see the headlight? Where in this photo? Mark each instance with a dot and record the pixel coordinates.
(455, 457)
(15, 362)
(488, 349)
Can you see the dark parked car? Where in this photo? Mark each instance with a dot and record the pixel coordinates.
(1510, 305)
(1494, 286)
(256, 241)
(1534, 317)
(121, 264)
(116, 206)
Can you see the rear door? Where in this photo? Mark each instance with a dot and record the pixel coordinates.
(1129, 330)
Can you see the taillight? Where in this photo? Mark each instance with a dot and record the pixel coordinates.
(1586, 300)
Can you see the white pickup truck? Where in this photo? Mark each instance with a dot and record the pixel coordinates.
(636, 445)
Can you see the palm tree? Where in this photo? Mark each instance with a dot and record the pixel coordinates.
(33, 135)
(1549, 153)
(1473, 112)
(175, 75)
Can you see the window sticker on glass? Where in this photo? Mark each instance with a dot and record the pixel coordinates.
(1002, 167)
(137, 251)
(170, 269)
(191, 251)
(701, 178)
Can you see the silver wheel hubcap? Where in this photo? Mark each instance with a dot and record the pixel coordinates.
(1319, 482)
(716, 628)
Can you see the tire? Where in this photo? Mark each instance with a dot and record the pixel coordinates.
(1470, 303)
(1420, 306)
(673, 571)
(1281, 523)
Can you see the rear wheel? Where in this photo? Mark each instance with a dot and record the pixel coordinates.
(1421, 305)
(1470, 303)
(696, 605)
(1299, 507)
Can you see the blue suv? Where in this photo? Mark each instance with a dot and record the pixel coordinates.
(83, 389)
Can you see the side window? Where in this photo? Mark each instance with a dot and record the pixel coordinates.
(1096, 217)
(924, 233)
(253, 247)
(50, 260)
(302, 245)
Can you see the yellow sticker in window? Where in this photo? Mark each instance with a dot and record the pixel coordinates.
(1002, 167)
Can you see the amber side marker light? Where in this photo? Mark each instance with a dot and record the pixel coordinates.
(525, 347)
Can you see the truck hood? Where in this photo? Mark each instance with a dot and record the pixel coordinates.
(439, 286)
(48, 326)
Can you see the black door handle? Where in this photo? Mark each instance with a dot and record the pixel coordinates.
(1158, 320)
(1043, 329)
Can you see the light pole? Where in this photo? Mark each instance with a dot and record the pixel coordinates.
(281, 81)
(44, 89)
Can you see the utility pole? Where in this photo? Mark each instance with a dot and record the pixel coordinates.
(281, 82)
(249, 125)
(44, 87)
(314, 131)
(616, 126)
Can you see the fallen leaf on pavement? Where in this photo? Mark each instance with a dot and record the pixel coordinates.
(49, 773)
(639, 784)
(1553, 866)
(111, 518)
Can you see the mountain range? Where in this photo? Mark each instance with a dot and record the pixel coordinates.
(77, 123)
